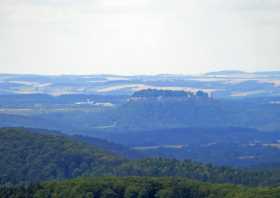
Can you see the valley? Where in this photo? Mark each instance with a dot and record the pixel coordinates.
(203, 139)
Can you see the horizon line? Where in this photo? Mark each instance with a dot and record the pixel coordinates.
(139, 74)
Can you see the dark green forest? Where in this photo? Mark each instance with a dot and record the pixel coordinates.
(28, 156)
(135, 187)
(36, 163)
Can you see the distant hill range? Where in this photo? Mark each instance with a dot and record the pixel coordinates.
(151, 109)
(241, 73)
(222, 84)
(144, 110)
(227, 72)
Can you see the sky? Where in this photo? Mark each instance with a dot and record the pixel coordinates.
(138, 36)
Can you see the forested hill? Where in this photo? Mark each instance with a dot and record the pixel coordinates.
(118, 149)
(31, 157)
(133, 187)
(28, 156)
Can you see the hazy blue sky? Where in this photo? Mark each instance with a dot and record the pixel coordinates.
(138, 36)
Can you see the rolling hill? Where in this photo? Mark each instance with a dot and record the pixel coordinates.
(29, 156)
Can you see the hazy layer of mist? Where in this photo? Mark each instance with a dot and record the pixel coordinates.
(138, 36)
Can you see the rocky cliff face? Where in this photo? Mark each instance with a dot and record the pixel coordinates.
(168, 95)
